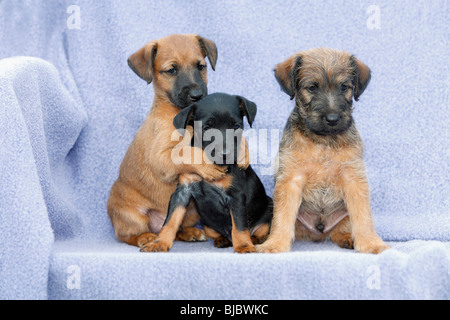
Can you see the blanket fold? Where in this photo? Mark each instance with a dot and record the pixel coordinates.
(40, 125)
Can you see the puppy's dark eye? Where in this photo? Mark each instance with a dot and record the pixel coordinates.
(172, 71)
(206, 128)
(344, 88)
(312, 88)
(201, 67)
(236, 127)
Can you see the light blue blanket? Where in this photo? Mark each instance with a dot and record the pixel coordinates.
(70, 106)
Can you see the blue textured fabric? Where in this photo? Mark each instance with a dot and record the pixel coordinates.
(70, 106)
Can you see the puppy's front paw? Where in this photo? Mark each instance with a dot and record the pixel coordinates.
(370, 245)
(343, 240)
(273, 247)
(222, 242)
(156, 246)
(191, 234)
(212, 172)
(245, 248)
(146, 238)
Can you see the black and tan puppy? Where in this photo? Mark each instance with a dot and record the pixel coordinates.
(232, 209)
(137, 206)
(321, 189)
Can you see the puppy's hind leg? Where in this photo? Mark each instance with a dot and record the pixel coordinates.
(342, 234)
(260, 234)
(132, 225)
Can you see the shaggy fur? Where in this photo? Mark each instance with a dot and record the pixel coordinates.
(321, 189)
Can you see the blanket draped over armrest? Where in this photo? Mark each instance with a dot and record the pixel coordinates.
(40, 123)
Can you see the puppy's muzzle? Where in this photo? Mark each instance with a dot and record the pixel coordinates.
(195, 95)
(332, 119)
(191, 94)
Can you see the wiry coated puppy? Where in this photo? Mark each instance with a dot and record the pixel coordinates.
(234, 210)
(321, 189)
(140, 196)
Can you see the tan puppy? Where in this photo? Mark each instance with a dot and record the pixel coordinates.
(139, 199)
(321, 189)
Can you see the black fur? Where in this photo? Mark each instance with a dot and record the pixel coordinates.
(188, 87)
(246, 197)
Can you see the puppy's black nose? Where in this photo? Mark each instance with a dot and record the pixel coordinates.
(196, 94)
(332, 119)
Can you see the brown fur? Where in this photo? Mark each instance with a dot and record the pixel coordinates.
(139, 198)
(187, 218)
(165, 238)
(260, 234)
(321, 175)
(242, 242)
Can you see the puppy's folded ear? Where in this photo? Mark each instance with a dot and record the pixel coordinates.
(361, 76)
(286, 74)
(248, 109)
(183, 117)
(142, 61)
(209, 49)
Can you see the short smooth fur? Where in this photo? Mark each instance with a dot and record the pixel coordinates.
(140, 196)
(232, 209)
